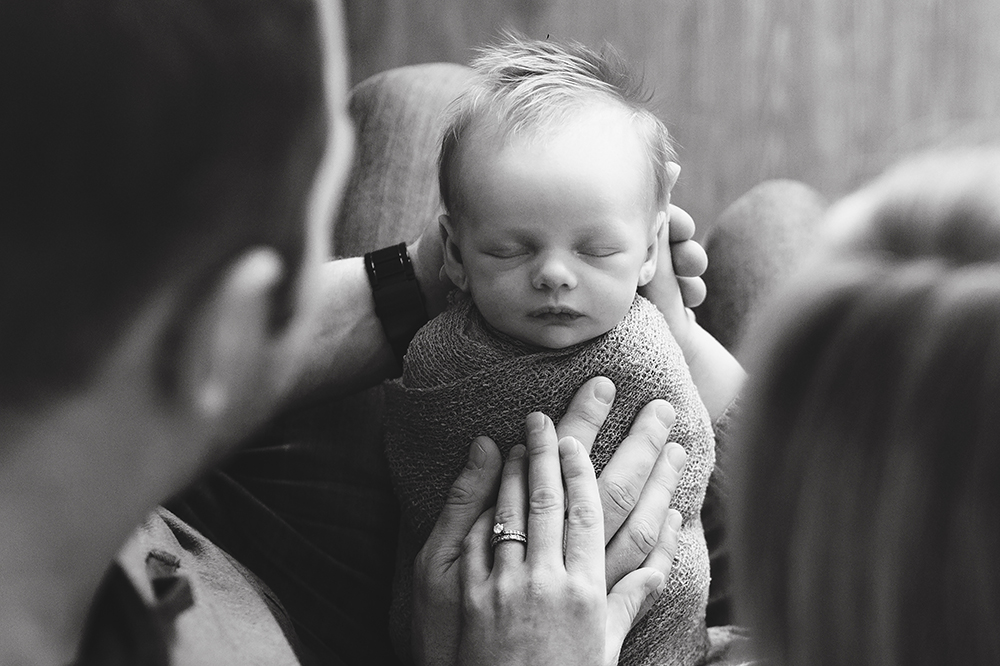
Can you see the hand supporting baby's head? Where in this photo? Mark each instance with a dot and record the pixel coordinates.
(555, 179)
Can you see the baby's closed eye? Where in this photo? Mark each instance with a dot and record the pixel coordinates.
(598, 251)
(505, 251)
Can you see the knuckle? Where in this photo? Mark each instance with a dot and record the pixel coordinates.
(544, 500)
(469, 544)
(539, 586)
(460, 494)
(584, 516)
(654, 437)
(506, 516)
(581, 596)
(420, 565)
(644, 535)
(506, 591)
(476, 601)
(590, 418)
(620, 495)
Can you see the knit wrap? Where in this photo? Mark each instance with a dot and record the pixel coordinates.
(462, 378)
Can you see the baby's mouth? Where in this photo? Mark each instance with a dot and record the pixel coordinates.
(555, 313)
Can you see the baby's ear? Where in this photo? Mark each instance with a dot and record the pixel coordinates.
(453, 266)
(673, 172)
(648, 268)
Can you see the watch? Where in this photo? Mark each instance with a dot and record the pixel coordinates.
(399, 304)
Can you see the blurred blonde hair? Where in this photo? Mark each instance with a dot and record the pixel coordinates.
(866, 484)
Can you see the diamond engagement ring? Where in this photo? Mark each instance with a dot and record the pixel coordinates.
(501, 533)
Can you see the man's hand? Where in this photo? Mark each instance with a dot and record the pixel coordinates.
(688, 257)
(677, 285)
(675, 289)
(636, 486)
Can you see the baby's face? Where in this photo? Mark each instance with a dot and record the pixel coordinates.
(556, 232)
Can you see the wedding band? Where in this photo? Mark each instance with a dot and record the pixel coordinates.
(500, 533)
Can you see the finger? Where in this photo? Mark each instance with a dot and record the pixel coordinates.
(511, 501)
(663, 555)
(681, 224)
(624, 476)
(693, 291)
(472, 493)
(689, 258)
(545, 494)
(474, 565)
(628, 601)
(584, 525)
(641, 534)
(587, 411)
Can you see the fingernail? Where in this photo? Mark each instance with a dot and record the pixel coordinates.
(536, 422)
(516, 451)
(477, 455)
(665, 414)
(569, 446)
(655, 584)
(674, 520)
(605, 392)
(676, 456)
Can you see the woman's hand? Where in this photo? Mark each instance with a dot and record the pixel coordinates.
(545, 601)
(631, 516)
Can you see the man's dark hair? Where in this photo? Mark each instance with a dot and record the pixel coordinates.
(140, 142)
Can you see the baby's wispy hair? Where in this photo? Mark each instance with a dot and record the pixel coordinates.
(525, 85)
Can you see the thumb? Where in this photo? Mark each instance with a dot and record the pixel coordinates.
(628, 601)
(472, 493)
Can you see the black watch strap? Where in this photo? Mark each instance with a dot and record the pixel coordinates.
(398, 301)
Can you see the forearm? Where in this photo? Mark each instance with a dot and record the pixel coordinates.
(717, 374)
(346, 348)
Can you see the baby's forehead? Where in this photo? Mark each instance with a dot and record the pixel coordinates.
(587, 115)
(606, 128)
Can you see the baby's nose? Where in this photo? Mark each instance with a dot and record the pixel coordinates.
(554, 272)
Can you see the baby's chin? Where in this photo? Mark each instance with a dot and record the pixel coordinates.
(556, 337)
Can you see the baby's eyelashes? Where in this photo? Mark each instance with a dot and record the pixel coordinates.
(505, 252)
(598, 251)
(512, 251)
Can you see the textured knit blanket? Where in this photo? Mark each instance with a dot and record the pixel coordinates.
(461, 379)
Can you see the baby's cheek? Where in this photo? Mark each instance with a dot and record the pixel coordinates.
(496, 302)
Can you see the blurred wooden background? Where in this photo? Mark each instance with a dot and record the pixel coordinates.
(824, 91)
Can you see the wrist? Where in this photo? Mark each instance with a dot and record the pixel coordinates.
(715, 371)
(399, 301)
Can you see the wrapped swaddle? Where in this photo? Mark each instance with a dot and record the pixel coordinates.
(462, 378)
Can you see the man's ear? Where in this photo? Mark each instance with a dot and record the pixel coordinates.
(453, 265)
(228, 349)
(648, 268)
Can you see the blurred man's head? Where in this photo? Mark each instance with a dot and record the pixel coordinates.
(164, 197)
(145, 143)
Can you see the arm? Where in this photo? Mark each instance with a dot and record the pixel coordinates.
(348, 350)
(716, 372)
